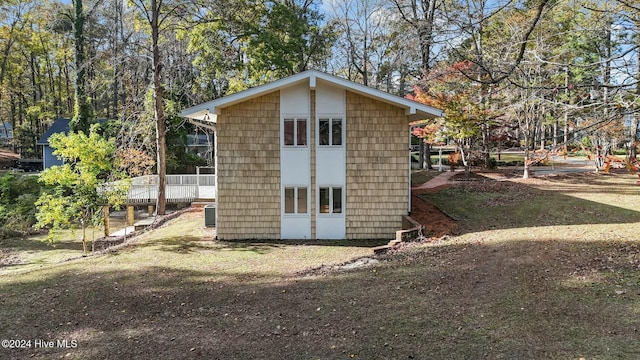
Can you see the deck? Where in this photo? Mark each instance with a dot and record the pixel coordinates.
(180, 189)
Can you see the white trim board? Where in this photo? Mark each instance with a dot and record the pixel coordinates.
(207, 111)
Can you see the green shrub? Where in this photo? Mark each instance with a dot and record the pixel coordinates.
(18, 194)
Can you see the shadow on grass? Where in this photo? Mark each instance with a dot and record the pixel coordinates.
(595, 183)
(190, 244)
(517, 299)
(335, 243)
(39, 244)
(487, 204)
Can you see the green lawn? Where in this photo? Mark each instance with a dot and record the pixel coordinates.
(419, 177)
(542, 269)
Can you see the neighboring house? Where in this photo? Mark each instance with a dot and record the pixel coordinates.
(311, 156)
(48, 159)
(6, 133)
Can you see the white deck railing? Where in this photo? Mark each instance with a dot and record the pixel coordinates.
(184, 188)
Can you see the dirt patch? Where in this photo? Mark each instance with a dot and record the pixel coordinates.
(327, 269)
(436, 223)
(8, 258)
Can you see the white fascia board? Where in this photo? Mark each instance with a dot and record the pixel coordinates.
(214, 106)
(415, 110)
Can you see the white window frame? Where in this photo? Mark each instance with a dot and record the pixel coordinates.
(296, 119)
(331, 209)
(295, 200)
(331, 118)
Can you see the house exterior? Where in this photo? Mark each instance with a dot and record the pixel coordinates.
(6, 133)
(48, 159)
(311, 156)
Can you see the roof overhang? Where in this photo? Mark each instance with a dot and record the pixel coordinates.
(208, 111)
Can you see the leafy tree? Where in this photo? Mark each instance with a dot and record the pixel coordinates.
(428, 134)
(239, 44)
(288, 40)
(77, 193)
(452, 92)
(82, 113)
(217, 41)
(135, 162)
(18, 194)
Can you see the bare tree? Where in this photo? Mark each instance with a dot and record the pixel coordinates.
(158, 15)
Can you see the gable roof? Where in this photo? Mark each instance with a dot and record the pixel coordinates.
(58, 126)
(209, 110)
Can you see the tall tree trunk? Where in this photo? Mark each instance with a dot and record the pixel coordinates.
(427, 156)
(426, 33)
(161, 126)
(421, 153)
(634, 138)
(565, 138)
(116, 65)
(81, 112)
(525, 172)
(421, 16)
(634, 123)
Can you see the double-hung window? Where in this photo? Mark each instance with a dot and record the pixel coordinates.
(330, 200)
(295, 131)
(295, 200)
(330, 131)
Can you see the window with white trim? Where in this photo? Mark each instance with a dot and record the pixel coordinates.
(330, 200)
(295, 131)
(330, 131)
(295, 200)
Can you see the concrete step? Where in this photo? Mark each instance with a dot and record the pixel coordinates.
(143, 224)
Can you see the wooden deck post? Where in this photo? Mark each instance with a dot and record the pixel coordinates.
(130, 215)
(150, 210)
(107, 225)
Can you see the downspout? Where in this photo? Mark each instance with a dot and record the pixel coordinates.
(409, 175)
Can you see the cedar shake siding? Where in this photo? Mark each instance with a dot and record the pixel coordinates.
(377, 168)
(346, 174)
(248, 173)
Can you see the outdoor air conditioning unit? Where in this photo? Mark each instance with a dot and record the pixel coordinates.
(210, 215)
